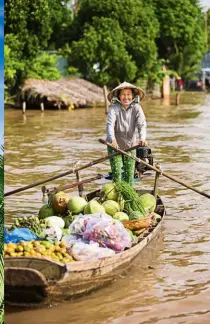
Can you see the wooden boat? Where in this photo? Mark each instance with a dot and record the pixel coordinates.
(42, 281)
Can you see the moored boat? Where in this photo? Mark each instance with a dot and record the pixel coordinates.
(42, 281)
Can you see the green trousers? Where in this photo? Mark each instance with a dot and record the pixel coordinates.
(122, 167)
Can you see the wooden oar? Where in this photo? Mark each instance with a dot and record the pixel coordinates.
(155, 169)
(66, 173)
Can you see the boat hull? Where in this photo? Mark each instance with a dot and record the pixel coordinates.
(33, 281)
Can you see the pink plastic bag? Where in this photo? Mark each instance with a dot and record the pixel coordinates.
(108, 233)
(78, 226)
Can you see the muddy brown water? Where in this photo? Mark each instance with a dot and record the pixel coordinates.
(170, 281)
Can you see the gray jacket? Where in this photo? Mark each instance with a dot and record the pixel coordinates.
(122, 123)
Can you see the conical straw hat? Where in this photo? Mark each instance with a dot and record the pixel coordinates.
(125, 85)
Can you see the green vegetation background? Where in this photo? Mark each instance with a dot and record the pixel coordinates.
(104, 41)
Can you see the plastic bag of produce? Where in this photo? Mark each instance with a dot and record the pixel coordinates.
(53, 234)
(78, 226)
(19, 234)
(108, 233)
(82, 251)
(71, 239)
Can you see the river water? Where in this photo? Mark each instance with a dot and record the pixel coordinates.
(170, 281)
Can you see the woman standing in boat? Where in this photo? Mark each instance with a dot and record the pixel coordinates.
(124, 117)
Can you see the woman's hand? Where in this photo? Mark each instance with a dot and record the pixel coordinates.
(143, 143)
(114, 143)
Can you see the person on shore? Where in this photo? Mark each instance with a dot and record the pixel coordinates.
(124, 117)
(180, 83)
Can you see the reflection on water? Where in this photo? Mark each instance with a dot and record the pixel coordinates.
(170, 281)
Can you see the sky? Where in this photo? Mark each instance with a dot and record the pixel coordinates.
(205, 4)
(1, 71)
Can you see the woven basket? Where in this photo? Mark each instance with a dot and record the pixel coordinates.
(137, 224)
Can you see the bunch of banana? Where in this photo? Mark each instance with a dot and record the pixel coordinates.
(33, 223)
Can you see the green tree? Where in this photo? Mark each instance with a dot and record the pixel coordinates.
(208, 28)
(181, 41)
(27, 29)
(61, 20)
(43, 67)
(31, 27)
(13, 65)
(30, 21)
(37, 24)
(101, 46)
(114, 41)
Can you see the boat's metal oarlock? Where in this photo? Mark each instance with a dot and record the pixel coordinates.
(145, 154)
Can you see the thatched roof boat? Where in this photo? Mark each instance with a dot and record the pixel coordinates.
(62, 93)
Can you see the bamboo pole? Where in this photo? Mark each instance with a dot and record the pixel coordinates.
(73, 170)
(106, 100)
(157, 175)
(155, 169)
(80, 186)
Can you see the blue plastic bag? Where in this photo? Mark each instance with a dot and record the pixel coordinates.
(19, 234)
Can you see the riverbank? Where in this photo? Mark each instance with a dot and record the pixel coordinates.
(172, 100)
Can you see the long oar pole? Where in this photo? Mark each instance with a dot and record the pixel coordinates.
(155, 169)
(37, 183)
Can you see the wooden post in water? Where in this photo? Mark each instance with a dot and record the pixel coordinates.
(166, 84)
(178, 98)
(106, 100)
(204, 81)
(42, 106)
(24, 107)
(173, 84)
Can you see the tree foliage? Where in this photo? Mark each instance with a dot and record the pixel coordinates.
(114, 40)
(30, 22)
(181, 40)
(101, 54)
(61, 20)
(208, 28)
(13, 64)
(106, 41)
(44, 67)
(31, 27)
(143, 34)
